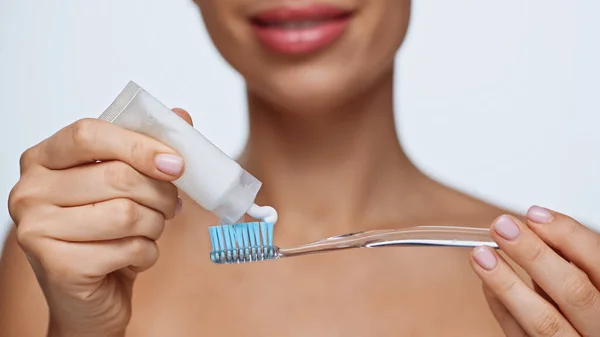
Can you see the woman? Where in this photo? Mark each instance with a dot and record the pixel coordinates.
(322, 139)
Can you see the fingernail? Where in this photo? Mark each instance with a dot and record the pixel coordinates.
(507, 228)
(539, 215)
(485, 258)
(179, 205)
(168, 163)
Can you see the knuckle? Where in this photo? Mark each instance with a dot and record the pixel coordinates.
(27, 158)
(153, 253)
(16, 200)
(139, 246)
(568, 226)
(171, 191)
(128, 210)
(507, 287)
(548, 324)
(137, 153)
(571, 226)
(564, 219)
(170, 194)
(25, 236)
(83, 131)
(120, 176)
(536, 252)
(158, 226)
(580, 293)
(20, 197)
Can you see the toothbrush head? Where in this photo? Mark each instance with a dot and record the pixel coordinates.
(241, 243)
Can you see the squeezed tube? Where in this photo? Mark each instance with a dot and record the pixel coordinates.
(211, 178)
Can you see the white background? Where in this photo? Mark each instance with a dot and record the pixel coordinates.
(495, 98)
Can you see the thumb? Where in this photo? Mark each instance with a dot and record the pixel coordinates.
(184, 115)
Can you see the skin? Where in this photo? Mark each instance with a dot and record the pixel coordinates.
(321, 130)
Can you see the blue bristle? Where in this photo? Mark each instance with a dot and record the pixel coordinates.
(251, 230)
(213, 238)
(231, 232)
(239, 236)
(221, 238)
(263, 231)
(245, 235)
(270, 230)
(228, 245)
(234, 244)
(232, 237)
(256, 231)
(246, 241)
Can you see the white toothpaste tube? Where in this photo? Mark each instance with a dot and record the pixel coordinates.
(211, 178)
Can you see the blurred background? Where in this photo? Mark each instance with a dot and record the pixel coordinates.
(499, 99)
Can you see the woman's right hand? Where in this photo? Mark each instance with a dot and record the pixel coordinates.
(89, 206)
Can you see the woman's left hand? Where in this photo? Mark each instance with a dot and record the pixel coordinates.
(562, 258)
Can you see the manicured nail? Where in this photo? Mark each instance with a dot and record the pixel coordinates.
(507, 228)
(485, 258)
(179, 205)
(168, 163)
(539, 215)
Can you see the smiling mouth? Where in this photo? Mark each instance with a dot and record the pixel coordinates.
(300, 30)
(298, 23)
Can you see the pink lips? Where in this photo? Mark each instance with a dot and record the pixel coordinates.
(300, 30)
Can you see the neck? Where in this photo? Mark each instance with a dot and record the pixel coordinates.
(343, 168)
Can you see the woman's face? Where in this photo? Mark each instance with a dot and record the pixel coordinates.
(307, 55)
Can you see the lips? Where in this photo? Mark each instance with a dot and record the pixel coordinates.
(300, 30)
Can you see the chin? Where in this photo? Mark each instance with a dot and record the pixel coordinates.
(306, 92)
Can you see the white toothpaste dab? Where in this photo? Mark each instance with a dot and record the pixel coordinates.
(266, 213)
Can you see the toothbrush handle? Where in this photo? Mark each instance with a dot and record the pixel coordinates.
(422, 236)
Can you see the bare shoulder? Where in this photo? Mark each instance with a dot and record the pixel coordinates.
(469, 210)
(23, 310)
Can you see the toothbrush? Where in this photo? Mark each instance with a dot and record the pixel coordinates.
(253, 241)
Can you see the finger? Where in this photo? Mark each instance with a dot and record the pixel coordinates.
(137, 253)
(92, 140)
(89, 262)
(576, 242)
(110, 220)
(508, 323)
(105, 181)
(568, 286)
(536, 316)
(543, 294)
(184, 115)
